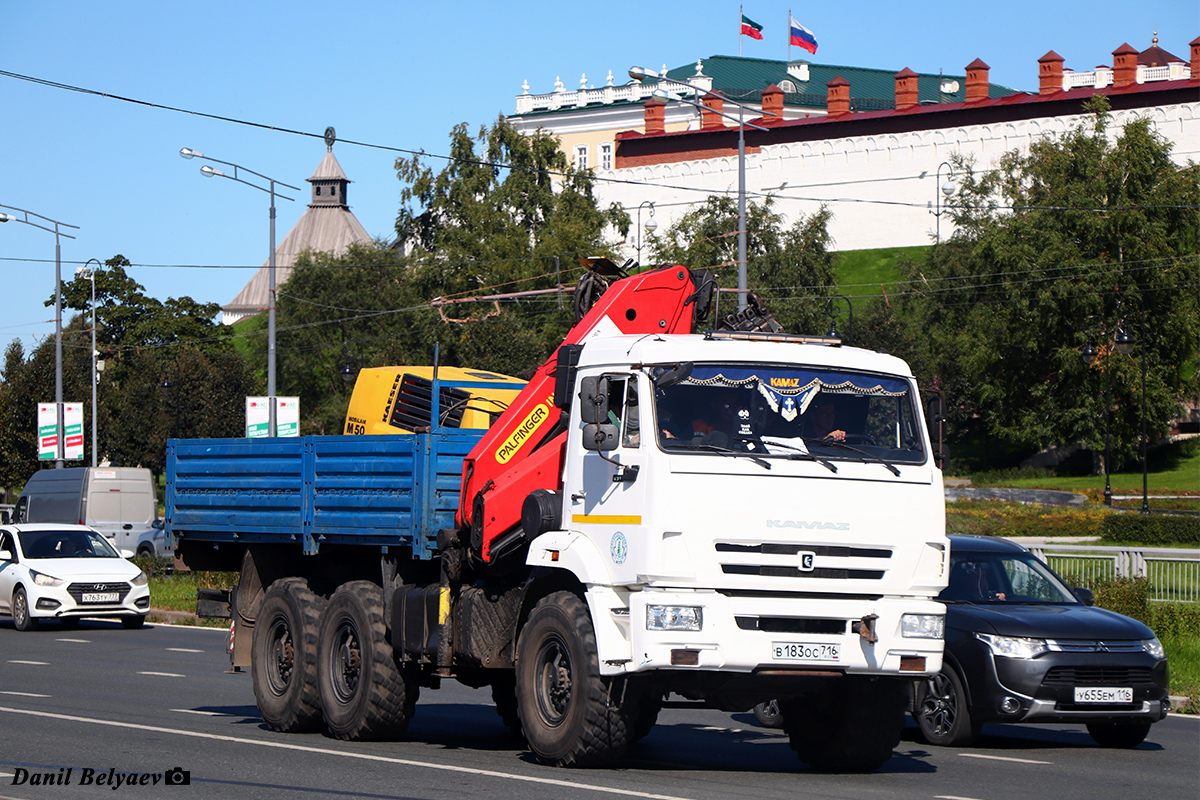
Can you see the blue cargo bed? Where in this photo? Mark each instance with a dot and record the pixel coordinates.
(353, 490)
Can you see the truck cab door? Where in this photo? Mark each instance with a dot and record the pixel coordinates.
(604, 489)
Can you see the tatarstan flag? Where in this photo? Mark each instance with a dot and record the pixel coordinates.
(751, 28)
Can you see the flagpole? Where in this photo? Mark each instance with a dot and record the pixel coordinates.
(789, 36)
(740, 15)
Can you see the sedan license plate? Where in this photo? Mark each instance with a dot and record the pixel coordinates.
(100, 597)
(1103, 694)
(804, 651)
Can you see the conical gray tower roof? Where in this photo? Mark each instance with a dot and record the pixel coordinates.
(327, 225)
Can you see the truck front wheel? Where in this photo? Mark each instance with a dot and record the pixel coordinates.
(570, 714)
(851, 725)
(284, 657)
(364, 695)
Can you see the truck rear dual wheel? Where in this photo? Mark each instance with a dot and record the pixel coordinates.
(570, 714)
(851, 725)
(364, 695)
(284, 657)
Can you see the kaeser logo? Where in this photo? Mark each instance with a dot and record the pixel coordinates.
(808, 525)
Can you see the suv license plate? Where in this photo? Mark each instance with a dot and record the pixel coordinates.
(802, 651)
(1102, 694)
(100, 597)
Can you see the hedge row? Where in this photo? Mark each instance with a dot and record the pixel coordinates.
(1131, 597)
(1151, 529)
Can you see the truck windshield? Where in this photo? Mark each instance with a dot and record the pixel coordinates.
(785, 411)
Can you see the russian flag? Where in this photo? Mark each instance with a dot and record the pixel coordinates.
(802, 36)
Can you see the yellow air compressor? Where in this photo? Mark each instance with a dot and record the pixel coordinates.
(400, 399)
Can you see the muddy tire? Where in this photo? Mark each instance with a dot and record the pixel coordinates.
(851, 725)
(284, 657)
(941, 711)
(570, 714)
(364, 695)
(22, 619)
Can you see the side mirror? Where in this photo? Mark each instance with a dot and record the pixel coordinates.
(158, 523)
(593, 400)
(6, 555)
(127, 554)
(601, 438)
(1085, 596)
(674, 375)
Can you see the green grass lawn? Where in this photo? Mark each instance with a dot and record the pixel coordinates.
(864, 273)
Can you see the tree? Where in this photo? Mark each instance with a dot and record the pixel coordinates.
(1047, 246)
(143, 342)
(789, 267)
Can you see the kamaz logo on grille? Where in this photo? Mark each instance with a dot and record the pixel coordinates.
(808, 525)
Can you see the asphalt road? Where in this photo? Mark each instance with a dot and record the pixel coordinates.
(117, 702)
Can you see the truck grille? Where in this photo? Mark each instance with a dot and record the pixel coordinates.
(791, 625)
(773, 569)
(77, 590)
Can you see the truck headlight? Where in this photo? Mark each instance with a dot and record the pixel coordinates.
(923, 626)
(1154, 647)
(1013, 646)
(674, 618)
(42, 579)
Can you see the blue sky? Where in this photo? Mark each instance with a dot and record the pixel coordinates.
(396, 74)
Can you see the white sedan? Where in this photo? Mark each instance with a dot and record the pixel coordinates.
(66, 572)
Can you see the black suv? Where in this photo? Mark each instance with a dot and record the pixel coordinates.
(1021, 646)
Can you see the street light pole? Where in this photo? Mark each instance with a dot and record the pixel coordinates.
(1125, 342)
(640, 74)
(209, 172)
(58, 369)
(91, 276)
(946, 189)
(1089, 355)
(651, 226)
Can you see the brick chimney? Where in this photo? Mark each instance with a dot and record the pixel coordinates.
(772, 102)
(654, 113)
(710, 116)
(977, 81)
(1125, 65)
(1050, 73)
(906, 89)
(838, 96)
(1196, 58)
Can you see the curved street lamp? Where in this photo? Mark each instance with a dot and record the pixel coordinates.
(58, 370)
(944, 189)
(651, 226)
(640, 74)
(210, 172)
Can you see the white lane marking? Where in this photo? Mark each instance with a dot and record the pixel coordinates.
(75, 641)
(25, 694)
(163, 674)
(32, 663)
(488, 773)
(952, 797)
(183, 650)
(1004, 758)
(201, 713)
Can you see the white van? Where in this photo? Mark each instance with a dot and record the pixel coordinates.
(120, 502)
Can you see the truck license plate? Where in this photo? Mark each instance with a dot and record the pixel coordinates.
(1102, 694)
(100, 597)
(804, 651)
